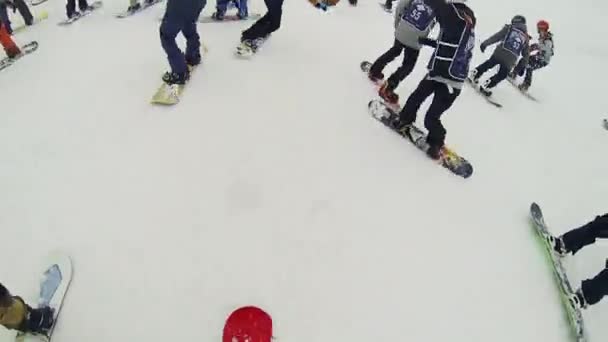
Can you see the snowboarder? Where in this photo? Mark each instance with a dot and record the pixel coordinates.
(70, 7)
(134, 5)
(413, 20)
(448, 69)
(15, 314)
(261, 29)
(222, 6)
(513, 40)
(20, 5)
(591, 290)
(11, 49)
(540, 56)
(181, 16)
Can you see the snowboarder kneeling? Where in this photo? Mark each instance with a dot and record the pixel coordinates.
(181, 16)
(17, 315)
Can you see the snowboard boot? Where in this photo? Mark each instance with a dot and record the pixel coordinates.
(375, 76)
(434, 151)
(474, 77)
(395, 123)
(559, 247)
(388, 5)
(135, 7)
(483, 88)
(193, 60)
(386, 92)
(353, 2)
(39, 321)
(524, 87)
(217, 16)
(172, 78)
(577, 300)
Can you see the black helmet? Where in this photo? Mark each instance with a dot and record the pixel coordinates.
(518, 19)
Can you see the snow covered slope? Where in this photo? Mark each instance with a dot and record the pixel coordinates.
(270, 185)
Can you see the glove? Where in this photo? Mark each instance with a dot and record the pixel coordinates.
(482, 47)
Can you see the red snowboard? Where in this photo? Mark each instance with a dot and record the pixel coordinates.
(248, 324)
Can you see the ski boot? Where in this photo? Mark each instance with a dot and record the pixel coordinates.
(172, 78)
(386, 92)
(135, 7)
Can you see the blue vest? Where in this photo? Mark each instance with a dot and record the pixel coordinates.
(418, 15)
(515, 41)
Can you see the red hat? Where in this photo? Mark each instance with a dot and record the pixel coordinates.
(248, 324)
(542, 25)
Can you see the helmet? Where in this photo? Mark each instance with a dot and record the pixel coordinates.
(518, 19)
(542, 25)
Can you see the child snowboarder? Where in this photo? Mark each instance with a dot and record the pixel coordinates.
(19, 5)
(11, 49)
(540, 56)
(181, 16)
(448, 69)
(15, 314)
(591, 290)
(513, 39)
(413, 20)
(222, 6)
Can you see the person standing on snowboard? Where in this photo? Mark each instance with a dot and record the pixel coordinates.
(181, 16)
(222, 6)
(447, 71)
(20, 5)
(413, 20)
(266, 25)
(594, 289)
(70, 7)
(15, 314)
(540, 56)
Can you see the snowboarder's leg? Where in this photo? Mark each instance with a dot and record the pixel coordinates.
(83, 5)
(193, 41)
(594, 289)
(169, 28)
(11, 49)
(70, 8)
(28, 18)
(17, 315)
(586, 235)
(4, 19)
(502, 73)
(253, 32)
(410, 56)
(425, 88)
(241, 5)
(275, 9)
(443, 99)
(483, 67)
(375, 70)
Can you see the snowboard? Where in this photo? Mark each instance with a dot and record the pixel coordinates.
(523, 92)
(448, 159)
(38, 18)
(574, 314)
(365, 66)
(25, 50)
(170, 94)
(228, 18)
(54, 285)
(79, 15)
(143, 6)
(487, 98)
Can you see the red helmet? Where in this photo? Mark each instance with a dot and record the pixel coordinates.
(542, 25)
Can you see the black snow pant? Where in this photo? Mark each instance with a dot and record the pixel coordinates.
(444, 97)
(410, 56)
(21, 6)
(595, 288)
(502, 73)
(70, 8)
(267, 24)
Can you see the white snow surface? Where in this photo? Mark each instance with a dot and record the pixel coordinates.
(271, 185)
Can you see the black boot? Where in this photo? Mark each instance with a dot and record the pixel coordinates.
(39, 321)
(175, 78)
